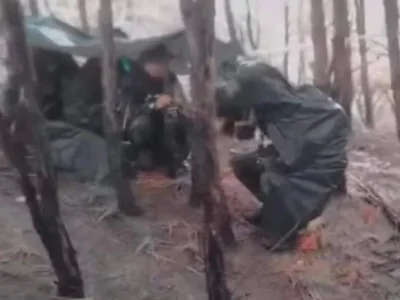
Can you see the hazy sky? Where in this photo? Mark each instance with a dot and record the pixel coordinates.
(154, 17)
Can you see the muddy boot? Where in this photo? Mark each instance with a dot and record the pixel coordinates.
(269, 241)
(277, 244)
(254, 220)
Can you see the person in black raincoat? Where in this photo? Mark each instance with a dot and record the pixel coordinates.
(295, 175)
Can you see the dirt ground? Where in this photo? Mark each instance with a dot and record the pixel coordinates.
(157, 256)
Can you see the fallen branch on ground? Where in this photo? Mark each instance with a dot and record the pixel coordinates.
(169, 260)
(374, 198)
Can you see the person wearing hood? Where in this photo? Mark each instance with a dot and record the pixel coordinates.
(153, 127)
(294, 176)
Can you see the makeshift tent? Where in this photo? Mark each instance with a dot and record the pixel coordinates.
(53, 34)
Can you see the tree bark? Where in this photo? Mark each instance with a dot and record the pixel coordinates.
(343, 81)
(302, 38)
(22, 127)
(392, 30)
(287, 37)
(198, 17)
(319, 39)
(199, 20)
(364, 75)
(254, 37)
(111, 119)
(235, 40)
(83, 16)
(33, 5)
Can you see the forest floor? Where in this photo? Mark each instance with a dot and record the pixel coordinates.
(156, 257)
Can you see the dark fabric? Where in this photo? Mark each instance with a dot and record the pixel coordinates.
(261, 173)
(309, 132)
(159, 53)
(156, 138)
(78, 151)
(161, 137)
(54, 71)
(50, 33)
(82, 99)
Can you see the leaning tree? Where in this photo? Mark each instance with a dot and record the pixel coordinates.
(22, 133)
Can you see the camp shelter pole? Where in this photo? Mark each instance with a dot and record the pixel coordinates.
(112, 123)
(34, 7)
(83, 15)
(199, 18)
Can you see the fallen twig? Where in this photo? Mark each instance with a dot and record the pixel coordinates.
(166, 259)
(372, 197)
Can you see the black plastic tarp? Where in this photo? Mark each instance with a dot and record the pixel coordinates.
(51, 33)
(78, 152)
(310, 133)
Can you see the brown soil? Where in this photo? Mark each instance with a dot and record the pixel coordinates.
(157, 256)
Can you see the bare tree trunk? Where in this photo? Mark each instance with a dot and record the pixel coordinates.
(205, 165)
(83, 15)
(233, 34)
(302, 35)
(364, 75)
(111, 119)
(199, 19)
(319, 39)
(33, 5)
(287, 37)
(129, 11)
(343, 81)
(254, 38)
(392, 30)
(22, 126)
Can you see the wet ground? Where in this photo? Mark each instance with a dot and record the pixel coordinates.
(157, 256)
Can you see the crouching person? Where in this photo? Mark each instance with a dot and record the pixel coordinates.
(155, 125)
(157, 136)
(295, 176)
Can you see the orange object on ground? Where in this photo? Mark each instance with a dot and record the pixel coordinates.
(370, 214)
(309, 242)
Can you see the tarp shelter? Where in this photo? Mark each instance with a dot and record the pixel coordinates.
(74, 149)
(53, 34)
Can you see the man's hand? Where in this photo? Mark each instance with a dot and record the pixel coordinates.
(163, 101)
